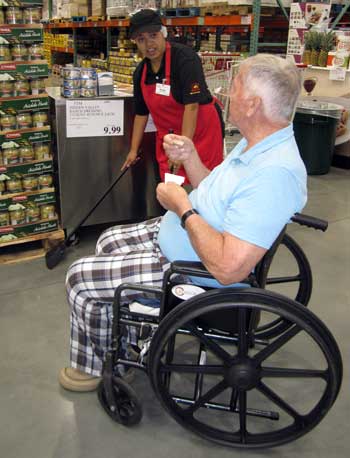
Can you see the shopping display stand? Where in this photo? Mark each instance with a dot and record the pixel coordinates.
(27, 194)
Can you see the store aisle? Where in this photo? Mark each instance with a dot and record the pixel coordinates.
(38, 419)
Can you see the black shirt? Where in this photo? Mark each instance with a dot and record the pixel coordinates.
(186, 78)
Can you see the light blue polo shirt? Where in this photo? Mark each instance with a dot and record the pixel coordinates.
(250, 195)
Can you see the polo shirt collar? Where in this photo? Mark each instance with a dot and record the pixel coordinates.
(268, 142)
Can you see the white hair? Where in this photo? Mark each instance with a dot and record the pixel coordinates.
(276, 81)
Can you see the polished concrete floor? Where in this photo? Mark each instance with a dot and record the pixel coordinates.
(38, 419)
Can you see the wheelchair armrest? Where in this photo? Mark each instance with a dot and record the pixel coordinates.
(195, 269)
(310, 221)
(135, 287)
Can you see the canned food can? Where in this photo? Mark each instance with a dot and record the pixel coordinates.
(71, 84)
(88, 83)
(89, 73)
(71, 72)
(71, 93)
(88, 92)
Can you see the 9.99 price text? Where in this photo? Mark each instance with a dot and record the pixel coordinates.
(111, 130)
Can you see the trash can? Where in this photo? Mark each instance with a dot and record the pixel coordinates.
(315, 126)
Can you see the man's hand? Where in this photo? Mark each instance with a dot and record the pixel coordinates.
(173, 197)
(130, 158)
(174, 166)
(178, 148)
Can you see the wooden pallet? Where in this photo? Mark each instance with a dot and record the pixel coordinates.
(29, 248)
(96, 18)
(224, 10)
(78, 19)
(180, 12)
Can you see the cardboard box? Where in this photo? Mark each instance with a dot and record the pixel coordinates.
(71, 10)
(98, 7)
(105, 83)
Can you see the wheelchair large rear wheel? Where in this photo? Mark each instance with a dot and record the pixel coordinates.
(289, 274)
(230, 391)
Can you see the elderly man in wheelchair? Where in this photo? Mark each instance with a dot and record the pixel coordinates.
(214, 342)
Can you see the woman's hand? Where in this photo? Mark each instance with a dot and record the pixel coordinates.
(130, 158)
(173, 197)
(178, 148)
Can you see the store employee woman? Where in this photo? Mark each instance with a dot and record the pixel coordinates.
(169, 84)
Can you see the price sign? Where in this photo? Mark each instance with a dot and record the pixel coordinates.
(94, 118)
(337, 74)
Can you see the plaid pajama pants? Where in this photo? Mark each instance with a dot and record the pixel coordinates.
(126, 253)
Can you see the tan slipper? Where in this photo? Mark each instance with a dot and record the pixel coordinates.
(74, 380)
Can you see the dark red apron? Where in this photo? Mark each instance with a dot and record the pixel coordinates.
(167, 114)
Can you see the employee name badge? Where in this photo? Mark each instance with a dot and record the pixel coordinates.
(163, 89)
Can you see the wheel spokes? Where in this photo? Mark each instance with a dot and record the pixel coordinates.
(293, 373)
(242, 333)
(276, 344)
(208, 396)
(211, 345)
(276, 399)
(193, 369)
(243, 415)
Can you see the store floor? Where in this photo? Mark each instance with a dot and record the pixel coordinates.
(38, 419)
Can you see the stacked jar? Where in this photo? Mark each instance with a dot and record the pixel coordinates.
(21, 52)
(11, 120)
(16, 15)
(13, 153)
(21, 86)
(16, 183)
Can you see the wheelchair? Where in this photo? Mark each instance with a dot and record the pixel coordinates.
(228, 363)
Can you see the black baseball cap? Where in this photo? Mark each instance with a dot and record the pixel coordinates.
(144, 21)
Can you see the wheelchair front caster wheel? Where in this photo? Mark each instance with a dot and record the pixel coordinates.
(127, 409)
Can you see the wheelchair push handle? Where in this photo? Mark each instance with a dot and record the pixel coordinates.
(310, 221)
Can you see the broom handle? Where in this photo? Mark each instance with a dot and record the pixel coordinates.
(119, 177)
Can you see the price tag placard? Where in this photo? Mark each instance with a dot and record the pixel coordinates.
(337, 74)
(94, 118)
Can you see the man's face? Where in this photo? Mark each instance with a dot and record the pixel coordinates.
(238, 100)
(151, 45)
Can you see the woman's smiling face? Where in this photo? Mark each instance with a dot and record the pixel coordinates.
(151, 45)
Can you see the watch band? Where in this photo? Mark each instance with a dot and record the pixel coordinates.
(184, 217)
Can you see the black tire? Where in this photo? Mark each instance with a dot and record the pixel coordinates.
(129, 407)
(245, 374)
(299, 274)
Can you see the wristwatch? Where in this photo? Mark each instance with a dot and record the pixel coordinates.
(184, 217)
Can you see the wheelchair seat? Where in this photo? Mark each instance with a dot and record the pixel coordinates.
(228, 363)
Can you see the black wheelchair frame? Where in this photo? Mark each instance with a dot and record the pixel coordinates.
(228, 338)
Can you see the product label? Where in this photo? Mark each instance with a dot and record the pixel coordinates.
(34, 196)
(11, 233)
(32, 135)
(27, 103)
(36, 69)
(22, 34)
(38, 168)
